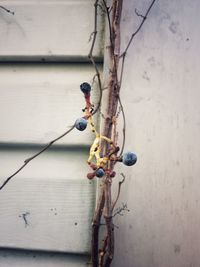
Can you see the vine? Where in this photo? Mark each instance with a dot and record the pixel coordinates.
(103, 256)
(7, 10)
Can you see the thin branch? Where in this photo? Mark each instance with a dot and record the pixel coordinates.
(119, 190)
(90, 38)
(109, 23)
(122, 108)
(91, 58)
(122, 68)
(36, 155)
(139, 15)
(119, 210)
(123, 56)
(7, 10)
(139, 27)
(124, 126)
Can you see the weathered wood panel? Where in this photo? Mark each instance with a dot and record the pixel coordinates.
(50, 30)
(59, 162)
(47, 215)
(17, 258)
(39, 102)
(43, 214)
(48, 206)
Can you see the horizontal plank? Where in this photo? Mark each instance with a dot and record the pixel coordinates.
(48, 29)
(55, 163)
(39, 102)
(17, 258)
(47, 214)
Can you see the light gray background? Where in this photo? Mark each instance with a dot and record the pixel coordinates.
(161, 99)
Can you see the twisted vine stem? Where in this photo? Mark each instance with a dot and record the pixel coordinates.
(104, 256)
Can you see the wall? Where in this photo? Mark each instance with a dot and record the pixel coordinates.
(161, 99)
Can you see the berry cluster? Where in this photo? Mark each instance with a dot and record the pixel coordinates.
(99, 167)
(81, 123)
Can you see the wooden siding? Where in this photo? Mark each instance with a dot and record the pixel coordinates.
(48, 30)
(39, 102)
(46, 210)
(22, 258)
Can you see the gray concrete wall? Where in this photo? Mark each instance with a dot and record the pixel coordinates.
(161, 92)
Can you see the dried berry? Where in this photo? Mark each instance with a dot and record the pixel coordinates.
(100, 172)
(129, 158)
(85, 88)
(112, 174)
(81, 124)
(91, 175)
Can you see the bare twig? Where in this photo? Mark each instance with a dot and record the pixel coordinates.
(139, 27)
(123, 56)
(26, 161)
(7, 10)
(90, 37)
(139, 15)
(124, 125)
(120, 209)
(119, 190)
(109, 22)
(91, 58)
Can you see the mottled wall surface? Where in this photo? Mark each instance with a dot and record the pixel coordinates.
(161, 92)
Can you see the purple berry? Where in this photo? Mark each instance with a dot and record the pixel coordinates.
(85, 88)
(100, 173)
(129, 158)
(81, 124)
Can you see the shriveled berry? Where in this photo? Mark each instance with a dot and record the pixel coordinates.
(100, 172)
(129, 158)
(90, 175)
(112, 174)
(93, 166)
(81, 124)
(85, 88)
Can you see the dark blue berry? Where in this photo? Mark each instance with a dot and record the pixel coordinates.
(81, 124)
(85, 88)
(129, 158)
(100, 173)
